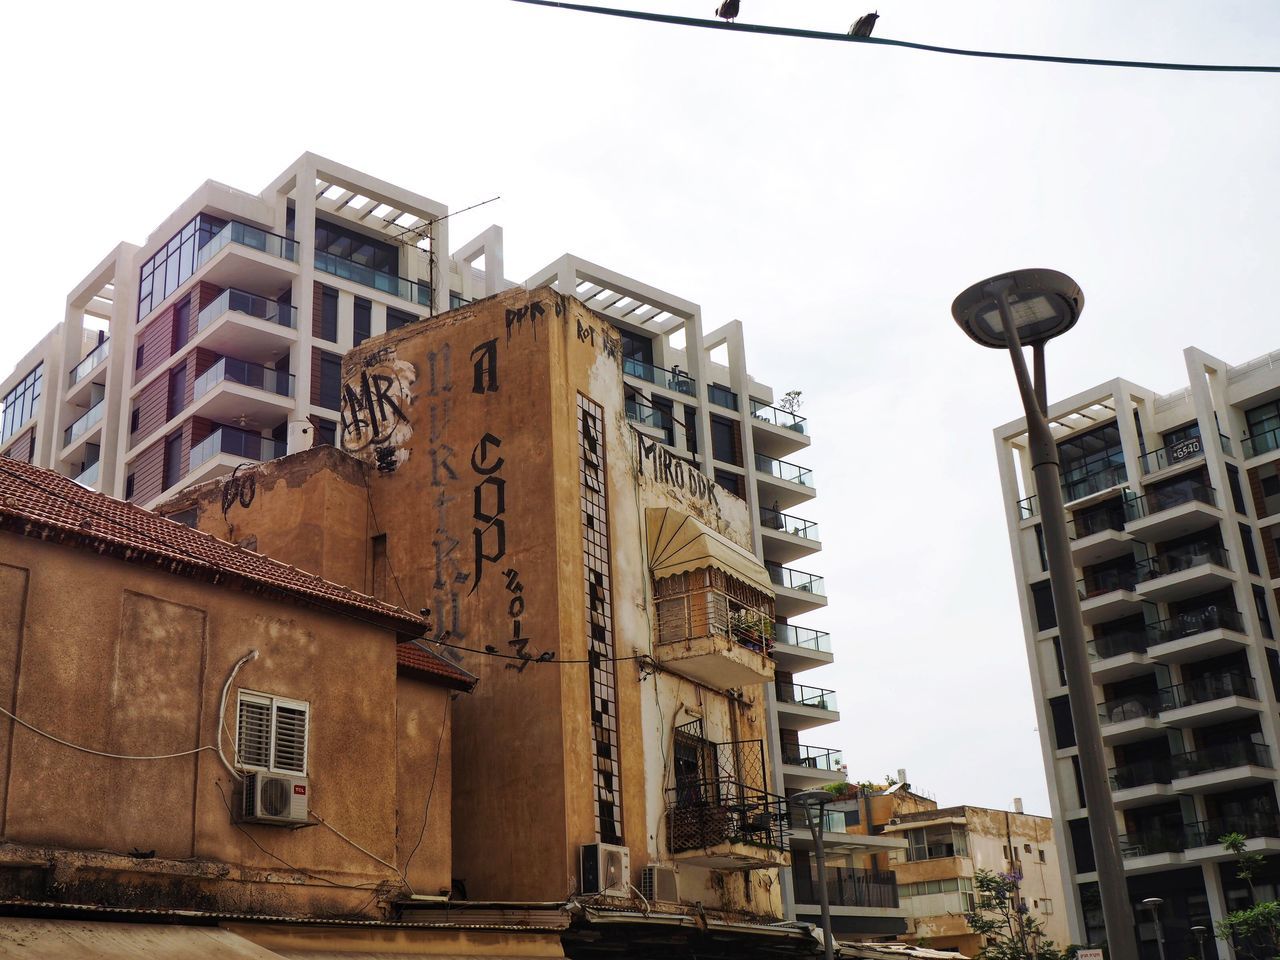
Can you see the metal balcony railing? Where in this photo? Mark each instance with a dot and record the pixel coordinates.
(673, 379)
(250, 236)
(91, 360)
(250, 304)
(802, 637)
(849, 887)
(1182, 558)
(777, 520)
(777, 416)
(1193, 622)
(1207, 689)
(816, 758)
(817, 697)
(415, 291)
(710, 812)
(1028, 507)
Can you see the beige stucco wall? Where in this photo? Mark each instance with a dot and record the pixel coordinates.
(126, 659)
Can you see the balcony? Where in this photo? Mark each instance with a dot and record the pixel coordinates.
(800, 648)
(1152, 849)
(1204, 839)
(1222, 767)
(1180, 454)
(240, 253)
(1118, 656)
(252, 327)
(225, 448)
(1164, 515)
(1260, 443)
(783, 419)
(89, 475)
(706, 637)
(1196, 635)
(91, 361)
(249, 393)
(1099, 535)
(674, 379)
(801, 707)
(413, 291)
(777, 432)
(1140, 783)
(1208, 700)
(850, 887)
(1108, 594)
(722, 396)
(782, 484)
(806, 767)
(722, 824)
(81, 427)
(1185, 572)
(1129, 718)
(797, 592)
(1103, 474)
(787, 537)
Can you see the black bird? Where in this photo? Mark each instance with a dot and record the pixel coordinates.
(728, 10)
(864, 26)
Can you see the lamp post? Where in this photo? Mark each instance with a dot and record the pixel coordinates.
(1200, 931)
(1009, 312)
(810, 801)
(1153, 904)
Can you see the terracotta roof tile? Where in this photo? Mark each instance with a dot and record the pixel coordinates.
(43, 504)
(413, 657)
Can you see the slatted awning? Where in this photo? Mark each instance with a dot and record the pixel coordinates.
(678, 543)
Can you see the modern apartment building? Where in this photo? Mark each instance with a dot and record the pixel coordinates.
(219, 341)
(1173, 502)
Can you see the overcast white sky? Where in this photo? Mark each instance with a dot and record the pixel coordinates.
(833, 197)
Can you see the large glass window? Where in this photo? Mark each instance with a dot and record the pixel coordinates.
(362, 321)
(356, 247)
(330, 381)
(1086, 455)
(173, 263)
(22, 402)
(398, 318)
(1264, 418)
(725, 442)
(328, 314)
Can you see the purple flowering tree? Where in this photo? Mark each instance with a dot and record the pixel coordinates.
(1000, 916)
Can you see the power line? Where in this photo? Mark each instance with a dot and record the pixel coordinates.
(928, 47)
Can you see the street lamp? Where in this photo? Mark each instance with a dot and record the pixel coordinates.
(1200, 931)
(1153, 904)
(809, 801)
(1009, 312)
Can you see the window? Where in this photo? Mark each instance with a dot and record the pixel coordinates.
(380, 566)
(1041, 852)
(362, 322)
(1026, 847)
(1260, 601)
(356, 247)
(931, 843)
(328, 329)
(1237, 492)
(271, 733)
(1042, 602)
(398, 318)
(730, 481)
(1064, 730)
(173, 264)
(726, 444)
(456, 300)
(22, 402)
(1262, 420)
(172, 459)
(1250, 554)
(1046, 905)
(139, 356)
(177, 390)
(1044, 556)
(181, 324)
(135, 417)
(128, 487)
(326, 432)
(1057, 658)
(330, 386)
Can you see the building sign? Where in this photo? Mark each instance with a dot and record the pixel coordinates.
(1185, 450)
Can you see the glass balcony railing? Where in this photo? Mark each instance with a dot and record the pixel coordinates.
(796, 579)
(1117, 644)
(411, 290)
(649, 416)
(722, 396)
(1086, 524)
(791, 472)
(248, 236)
(85, 422)
(1106, 581)
(673, 379)
(1095, 481)
(231, 370)
(1135, 706)
(1207, 689)
(1151, 841)
(803, 696)
(1028, 507)
(1158, 501)
(238, 301)
(776, 520)
(1221, 757)
(1141, 773)
(1260, 443)
(816, 758)
(237, 443)
(1183, 558)
(89, 475)
(1193, 622)
(1184, 451)
(802, 637)
(91, 360)
(777, 416)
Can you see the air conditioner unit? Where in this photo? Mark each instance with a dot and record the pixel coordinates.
(274, 798)
(894, 821)
(605, 868)
(658, 883)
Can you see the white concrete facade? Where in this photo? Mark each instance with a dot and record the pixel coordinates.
(1174, 503)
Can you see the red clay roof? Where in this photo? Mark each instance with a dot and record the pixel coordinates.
(416, 660)
(45, 505)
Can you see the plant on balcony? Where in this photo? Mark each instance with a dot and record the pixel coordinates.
(751, 627)
(1255, 931)
(791, 401)
(1008, 930)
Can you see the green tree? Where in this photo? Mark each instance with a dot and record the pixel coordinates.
(1255, 930)
(1008, 930)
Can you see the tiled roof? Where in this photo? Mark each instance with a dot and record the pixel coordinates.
(414, 658)
(40, 503)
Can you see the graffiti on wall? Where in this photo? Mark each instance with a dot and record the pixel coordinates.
(489, 498)
(666, 467)
(375, 409)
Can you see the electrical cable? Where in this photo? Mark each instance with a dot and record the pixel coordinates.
(325, 823)
(317, 602)
(102, 753)
(364, 475)
(222, 714)
(927, 47)
(435, 768)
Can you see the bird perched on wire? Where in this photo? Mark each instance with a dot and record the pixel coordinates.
(728, 10)
(866, 23)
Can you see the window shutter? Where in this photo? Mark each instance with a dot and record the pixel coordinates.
(253, 737)
(290, 739)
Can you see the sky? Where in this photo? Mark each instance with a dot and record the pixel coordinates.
(833, 197)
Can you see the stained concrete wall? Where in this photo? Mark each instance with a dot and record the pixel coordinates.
(126, 659)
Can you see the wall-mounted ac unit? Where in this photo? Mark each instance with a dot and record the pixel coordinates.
(605, 868)
(274, 798)
(894, 821)
(658, 883)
